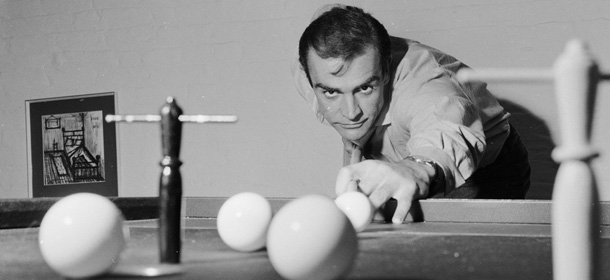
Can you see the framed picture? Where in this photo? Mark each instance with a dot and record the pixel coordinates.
(70, 147)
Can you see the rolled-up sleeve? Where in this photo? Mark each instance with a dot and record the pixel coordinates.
(443, 123)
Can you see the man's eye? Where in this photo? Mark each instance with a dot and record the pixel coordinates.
(330, 93)
(366, 89)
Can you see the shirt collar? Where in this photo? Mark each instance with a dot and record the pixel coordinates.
(386, 120)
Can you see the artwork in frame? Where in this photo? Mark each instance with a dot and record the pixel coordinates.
(71, 148)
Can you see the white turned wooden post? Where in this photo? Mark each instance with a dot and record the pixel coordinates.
(575, 210)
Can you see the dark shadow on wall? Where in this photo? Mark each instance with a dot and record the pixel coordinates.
(536, 136)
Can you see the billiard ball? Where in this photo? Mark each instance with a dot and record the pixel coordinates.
(243, 221)
(357, 208)
(82, 235)
(310, 238)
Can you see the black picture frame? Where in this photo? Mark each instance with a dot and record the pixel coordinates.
(71, 148)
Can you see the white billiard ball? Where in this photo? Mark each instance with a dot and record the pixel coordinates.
(82, 235)
(310, 238)
(243, 221)
(357, 207)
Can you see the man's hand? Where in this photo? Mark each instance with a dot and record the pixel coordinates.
(404, 181)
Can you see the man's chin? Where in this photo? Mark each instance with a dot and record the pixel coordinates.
(353, 136)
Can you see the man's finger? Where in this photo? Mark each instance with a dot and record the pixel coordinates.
(356, 155)
(379, 196)
(402, 209)
(404, 200)
(349, 177)
(346, 181)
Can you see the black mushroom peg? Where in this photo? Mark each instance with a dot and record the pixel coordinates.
(170, 184)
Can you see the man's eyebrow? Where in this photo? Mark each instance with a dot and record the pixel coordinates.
(326, 88)
(369, 81)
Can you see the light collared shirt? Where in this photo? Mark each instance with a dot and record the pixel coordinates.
(430, 114)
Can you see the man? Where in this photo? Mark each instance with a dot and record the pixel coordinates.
(396, 103)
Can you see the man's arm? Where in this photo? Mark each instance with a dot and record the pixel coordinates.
(445, 137)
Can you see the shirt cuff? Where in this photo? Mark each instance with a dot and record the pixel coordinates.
(436, 184)
(451, 176)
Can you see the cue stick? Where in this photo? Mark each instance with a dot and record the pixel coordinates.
(575, 209)
(170, 183)
(356, 154)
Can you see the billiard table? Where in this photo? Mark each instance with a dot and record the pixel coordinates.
(443, 239)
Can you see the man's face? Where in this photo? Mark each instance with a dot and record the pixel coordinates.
(350, 93)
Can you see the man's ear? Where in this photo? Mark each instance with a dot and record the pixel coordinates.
(386, 72)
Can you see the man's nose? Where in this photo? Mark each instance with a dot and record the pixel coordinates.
(351, 108)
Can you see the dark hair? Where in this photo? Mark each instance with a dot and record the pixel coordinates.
(344, 32)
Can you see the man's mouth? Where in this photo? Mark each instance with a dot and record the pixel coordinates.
(352, 125)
